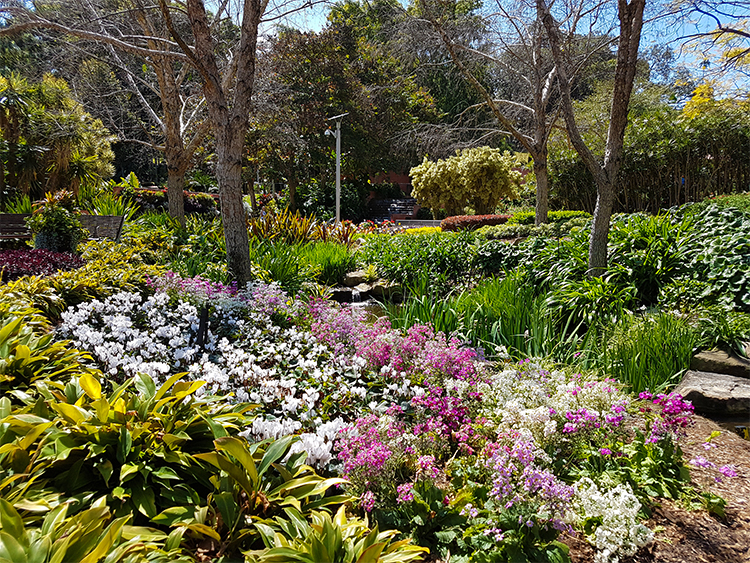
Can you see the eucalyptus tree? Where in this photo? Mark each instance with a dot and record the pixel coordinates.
(186, 34)
(556, 20)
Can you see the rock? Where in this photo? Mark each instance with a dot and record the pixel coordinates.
(354, 278)
(719, 361)
(716, 393)
(382, 288)
(363, 288)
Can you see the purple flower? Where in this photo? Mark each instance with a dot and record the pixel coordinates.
(405, 493)
(728, 471)
(367, 500)
(605, 451)
(701, 461)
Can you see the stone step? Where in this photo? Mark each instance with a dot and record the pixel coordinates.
(716, 394)
(719, 361)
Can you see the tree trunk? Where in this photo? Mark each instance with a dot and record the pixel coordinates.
(542, 189)
(229, 145)
(175, 193)
(600, 230)
(292, 184)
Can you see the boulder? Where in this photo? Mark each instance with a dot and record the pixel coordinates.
(719, 361)
(363, 288)
(354, 278)
(716, 393)
(385, 289)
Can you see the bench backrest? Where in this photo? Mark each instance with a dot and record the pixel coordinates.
(100, 226)
(13, 224)
(103, 226)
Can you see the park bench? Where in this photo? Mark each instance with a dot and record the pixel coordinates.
(13, 226)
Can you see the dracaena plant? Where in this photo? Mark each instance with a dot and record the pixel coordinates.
(326, 538)
(134, 445)
(27, 356)
(88, 537)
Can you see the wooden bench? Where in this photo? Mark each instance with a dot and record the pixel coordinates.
(13, 226)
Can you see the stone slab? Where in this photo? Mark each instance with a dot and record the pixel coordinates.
(719, 361)
(716, 393)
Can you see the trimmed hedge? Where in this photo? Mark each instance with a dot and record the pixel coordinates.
(471, 222)
(148, 199)
(528, 217)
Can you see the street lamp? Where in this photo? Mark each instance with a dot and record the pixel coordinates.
(338, 161)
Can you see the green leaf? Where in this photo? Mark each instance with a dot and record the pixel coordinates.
(236, 448)
(10, 549)
(173, 515)
(90, 386)
(145, 386)
(228, 507)
(106, 540)
(143, 497)
(11, 521)
(275, 452)
(124, 445)
(372, 553)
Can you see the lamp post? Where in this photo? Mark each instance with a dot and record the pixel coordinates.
(338, 161)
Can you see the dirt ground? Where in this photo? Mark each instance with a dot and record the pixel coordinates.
(683, 536)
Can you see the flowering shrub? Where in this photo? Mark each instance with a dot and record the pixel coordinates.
(470, 222)
(17, 263)
(464, 455)
(610, 519)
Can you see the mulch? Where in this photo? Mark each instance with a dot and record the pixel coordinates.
(695, 536)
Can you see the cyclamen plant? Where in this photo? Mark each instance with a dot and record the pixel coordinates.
(398, 413)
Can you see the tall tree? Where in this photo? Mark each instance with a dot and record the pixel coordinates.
(630, 16)
(227, 82)
(522, 95)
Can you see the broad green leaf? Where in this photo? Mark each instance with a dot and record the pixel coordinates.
(10, 328)
(10, 520)
(171, 516)
(236, 448)
(275, 452)
(55, 518)
(106, 540)
(11, 549)
(32, 435)
(205, 530)
(124, 444)
(145, 386)
(90, 386)
(168, 384)
(143, 533)
(101, 405)
(226, 465)
(72, 413)
(228, 507)
(39, 550)
(143, 497)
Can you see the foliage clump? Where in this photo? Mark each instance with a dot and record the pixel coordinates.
(479, 177)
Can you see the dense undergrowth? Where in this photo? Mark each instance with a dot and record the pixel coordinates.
(172, 417)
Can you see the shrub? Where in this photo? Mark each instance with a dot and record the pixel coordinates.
(154, 200)
(528, 217)
(480, 176)
(404, 258)
(471, 222)
(55, 224)
(17, 263)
